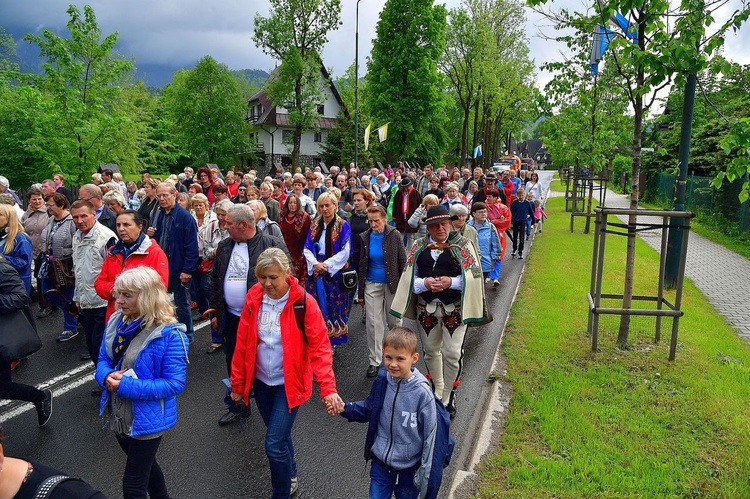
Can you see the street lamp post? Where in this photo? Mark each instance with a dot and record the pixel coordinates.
(356, 88)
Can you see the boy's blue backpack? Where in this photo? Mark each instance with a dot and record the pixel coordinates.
(443, 451)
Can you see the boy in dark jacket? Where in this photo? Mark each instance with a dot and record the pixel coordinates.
(520, 211)
(402, 419)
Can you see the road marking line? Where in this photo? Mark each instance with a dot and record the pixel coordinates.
(65, 388)
(68, 374)
(56, 393)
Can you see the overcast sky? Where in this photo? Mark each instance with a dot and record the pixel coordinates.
(176, 33)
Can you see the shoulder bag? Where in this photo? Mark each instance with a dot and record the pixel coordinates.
(18, 335)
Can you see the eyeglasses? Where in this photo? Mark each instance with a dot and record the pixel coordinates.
(87, 199)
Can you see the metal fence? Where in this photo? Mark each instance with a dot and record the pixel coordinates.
(702, 198)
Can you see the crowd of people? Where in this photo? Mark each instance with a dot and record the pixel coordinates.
(276, 264)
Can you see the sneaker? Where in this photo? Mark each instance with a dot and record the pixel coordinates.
(44, 408)
(486, 280)
(520, 257)
(295, 486)
(495, 283)
(44, 312)
(67, 335)
(513, 255)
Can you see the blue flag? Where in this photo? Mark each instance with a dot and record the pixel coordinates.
(599, 45)
(477, 151)
(630, 30)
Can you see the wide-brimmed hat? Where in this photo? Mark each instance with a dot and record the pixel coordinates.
(405, 182)
(436, 214)
(490, 176)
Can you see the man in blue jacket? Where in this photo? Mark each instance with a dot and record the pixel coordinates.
(177, 234)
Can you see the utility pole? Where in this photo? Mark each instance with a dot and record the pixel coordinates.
(356, 88)
(676, 225)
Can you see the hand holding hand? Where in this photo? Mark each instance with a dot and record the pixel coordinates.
(334, 404)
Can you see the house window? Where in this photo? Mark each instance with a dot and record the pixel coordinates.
(318, 137)
(322, 109)
(287, 136)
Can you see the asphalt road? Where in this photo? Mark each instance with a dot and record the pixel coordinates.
(201, 459)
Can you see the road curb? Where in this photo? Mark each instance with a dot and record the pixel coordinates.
(494, 409)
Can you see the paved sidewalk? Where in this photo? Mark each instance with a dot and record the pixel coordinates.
(722, 275)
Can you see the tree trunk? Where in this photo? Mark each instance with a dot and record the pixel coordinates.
(476, 135)
(627, 294)
(464, 136)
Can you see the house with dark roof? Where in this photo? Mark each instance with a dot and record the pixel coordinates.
(274, 133)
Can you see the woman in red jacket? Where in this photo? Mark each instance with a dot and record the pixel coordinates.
(276, 357)
(134, 249)
(499, 214)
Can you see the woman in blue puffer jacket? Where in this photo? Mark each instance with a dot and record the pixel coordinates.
(142, 367)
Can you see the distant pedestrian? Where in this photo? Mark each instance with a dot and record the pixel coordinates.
(382, 260)
(539, 215)
(520, 211)
(91, 242)
(489, 243)
(177, 234)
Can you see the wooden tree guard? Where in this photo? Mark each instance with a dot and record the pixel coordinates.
(579, 195)
(663, 308)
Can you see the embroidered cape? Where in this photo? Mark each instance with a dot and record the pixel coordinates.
(472, 295)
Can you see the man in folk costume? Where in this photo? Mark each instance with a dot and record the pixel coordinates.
(442, 289)
(405, 203)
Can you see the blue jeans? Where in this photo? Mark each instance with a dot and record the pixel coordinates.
(182, 303)
(529, 221)
(386, 482)
(69, 322)
(273, 408)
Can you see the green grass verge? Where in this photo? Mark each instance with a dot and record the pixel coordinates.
(616, 423)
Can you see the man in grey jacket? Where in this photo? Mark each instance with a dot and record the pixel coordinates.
(90, 244)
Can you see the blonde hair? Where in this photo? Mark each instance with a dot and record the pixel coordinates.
(199, 199)
(154, 305)
(327, 195)
(431, 200)
(260, 206)
(14, 226)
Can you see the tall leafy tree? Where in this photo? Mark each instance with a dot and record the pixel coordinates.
(672, 42)
(83, 75)
(458, 64)
(405, 86)
(295, 33)
(206, 109)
